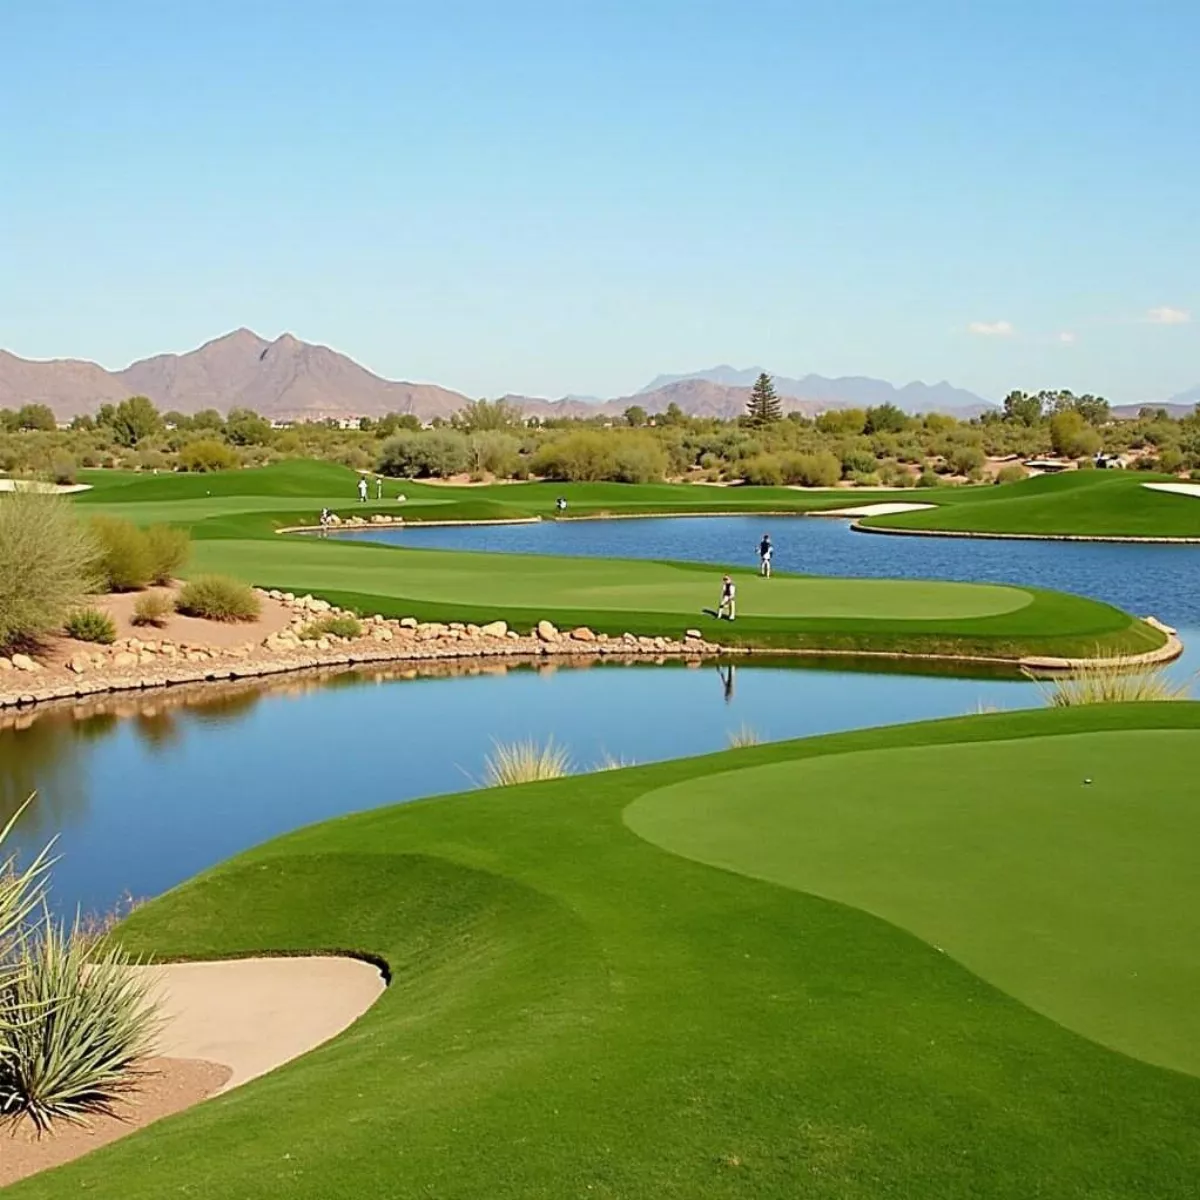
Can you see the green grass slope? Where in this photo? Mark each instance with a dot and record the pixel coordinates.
(233, 517)
(1080, 503)
(576, 1012)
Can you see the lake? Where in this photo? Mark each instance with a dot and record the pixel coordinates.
(144, 790)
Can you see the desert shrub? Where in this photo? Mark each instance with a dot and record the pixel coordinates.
(79, 1024)
(153, 609)
(928, 479)
(123, 562)
(167, 547)
(639, 460)
(581, 457)
(525, 762)
(218, 598)
(63, 471)
(207, 454)
(1170, 460)
(436, 454)
(91, 625)
(964, 459)
(340, 625)
(494, 452)
(764, 470)
(46, 564)
(822, 469)
(857, 461)
(1011, 473)
(1072, 437)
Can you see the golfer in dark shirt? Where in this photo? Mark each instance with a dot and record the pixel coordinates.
(765, 550)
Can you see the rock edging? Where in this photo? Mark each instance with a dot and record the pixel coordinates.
(139, 664)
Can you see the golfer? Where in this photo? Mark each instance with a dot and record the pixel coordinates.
(379, 487)
(728, 606)
(765, 550)
(362, 489)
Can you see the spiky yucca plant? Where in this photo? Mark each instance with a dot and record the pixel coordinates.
(1107, 682)
(525, 762)
(77, 1023)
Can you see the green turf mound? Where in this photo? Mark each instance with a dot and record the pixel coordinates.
(575, 1011)
(1081, 899)
(1111, 504)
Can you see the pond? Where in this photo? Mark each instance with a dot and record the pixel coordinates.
(143, 791)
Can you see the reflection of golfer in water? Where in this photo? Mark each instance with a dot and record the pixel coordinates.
(728, 678)
(728, 606)
(765, 550)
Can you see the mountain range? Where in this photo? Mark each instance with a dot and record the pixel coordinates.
(288, 379)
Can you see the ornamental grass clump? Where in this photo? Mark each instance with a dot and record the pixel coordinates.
(75, 1021)
(218, 598)
(154, 608)
(745, 736)
(342, 625)
(46, 564)
(123, 562)
(525, 762)
(91, 625)
(167, 548)
(1107, 682)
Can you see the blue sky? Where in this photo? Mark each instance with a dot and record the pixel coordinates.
(572, 196)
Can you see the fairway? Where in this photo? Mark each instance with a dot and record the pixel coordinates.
(1081, 899)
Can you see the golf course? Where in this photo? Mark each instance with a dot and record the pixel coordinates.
(234, 518)
(941, 960)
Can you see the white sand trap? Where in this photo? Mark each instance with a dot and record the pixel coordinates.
(874, 510)
(1180, 489)
(254, 1014)
(38, 485)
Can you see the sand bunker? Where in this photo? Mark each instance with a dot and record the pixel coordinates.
(37, 485)
(253, 1014)
(224, 1023)
(874, 510)
(1180, 489)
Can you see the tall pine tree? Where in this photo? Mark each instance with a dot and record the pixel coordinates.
(763, 407)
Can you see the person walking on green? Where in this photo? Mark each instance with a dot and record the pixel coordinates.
(728, 606)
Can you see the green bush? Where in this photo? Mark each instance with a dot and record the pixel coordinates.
(764, 470)
(1170, 460)
(582, 457)
(153, 609)
(341, 625)
(639, 460)
(124, 562)
(928, 479)
(46, 564)
(207, 454)
(436, 454)
(63, 471)
(864, 479)
(218, 598)
(822, 469)
(964, 460)
(168, 548)
(91, 625)
(1011, 473)
(856, 461)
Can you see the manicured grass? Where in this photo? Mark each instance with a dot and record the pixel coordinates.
(1059, 868)
(575, 1011)
(232, 517)
(1082, 503)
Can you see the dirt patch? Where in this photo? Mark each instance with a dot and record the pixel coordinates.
(170, 1086)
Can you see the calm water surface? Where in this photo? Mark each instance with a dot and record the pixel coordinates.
(145, 791)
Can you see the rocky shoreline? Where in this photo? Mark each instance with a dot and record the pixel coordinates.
(138, 663)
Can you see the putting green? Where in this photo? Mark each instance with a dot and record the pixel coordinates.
(1082, 900)
(550, 584)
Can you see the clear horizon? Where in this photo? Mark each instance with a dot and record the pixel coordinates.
(548, 201)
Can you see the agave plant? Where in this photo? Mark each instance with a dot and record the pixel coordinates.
(1108, 682)
(525, 762)
(78, 1023)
